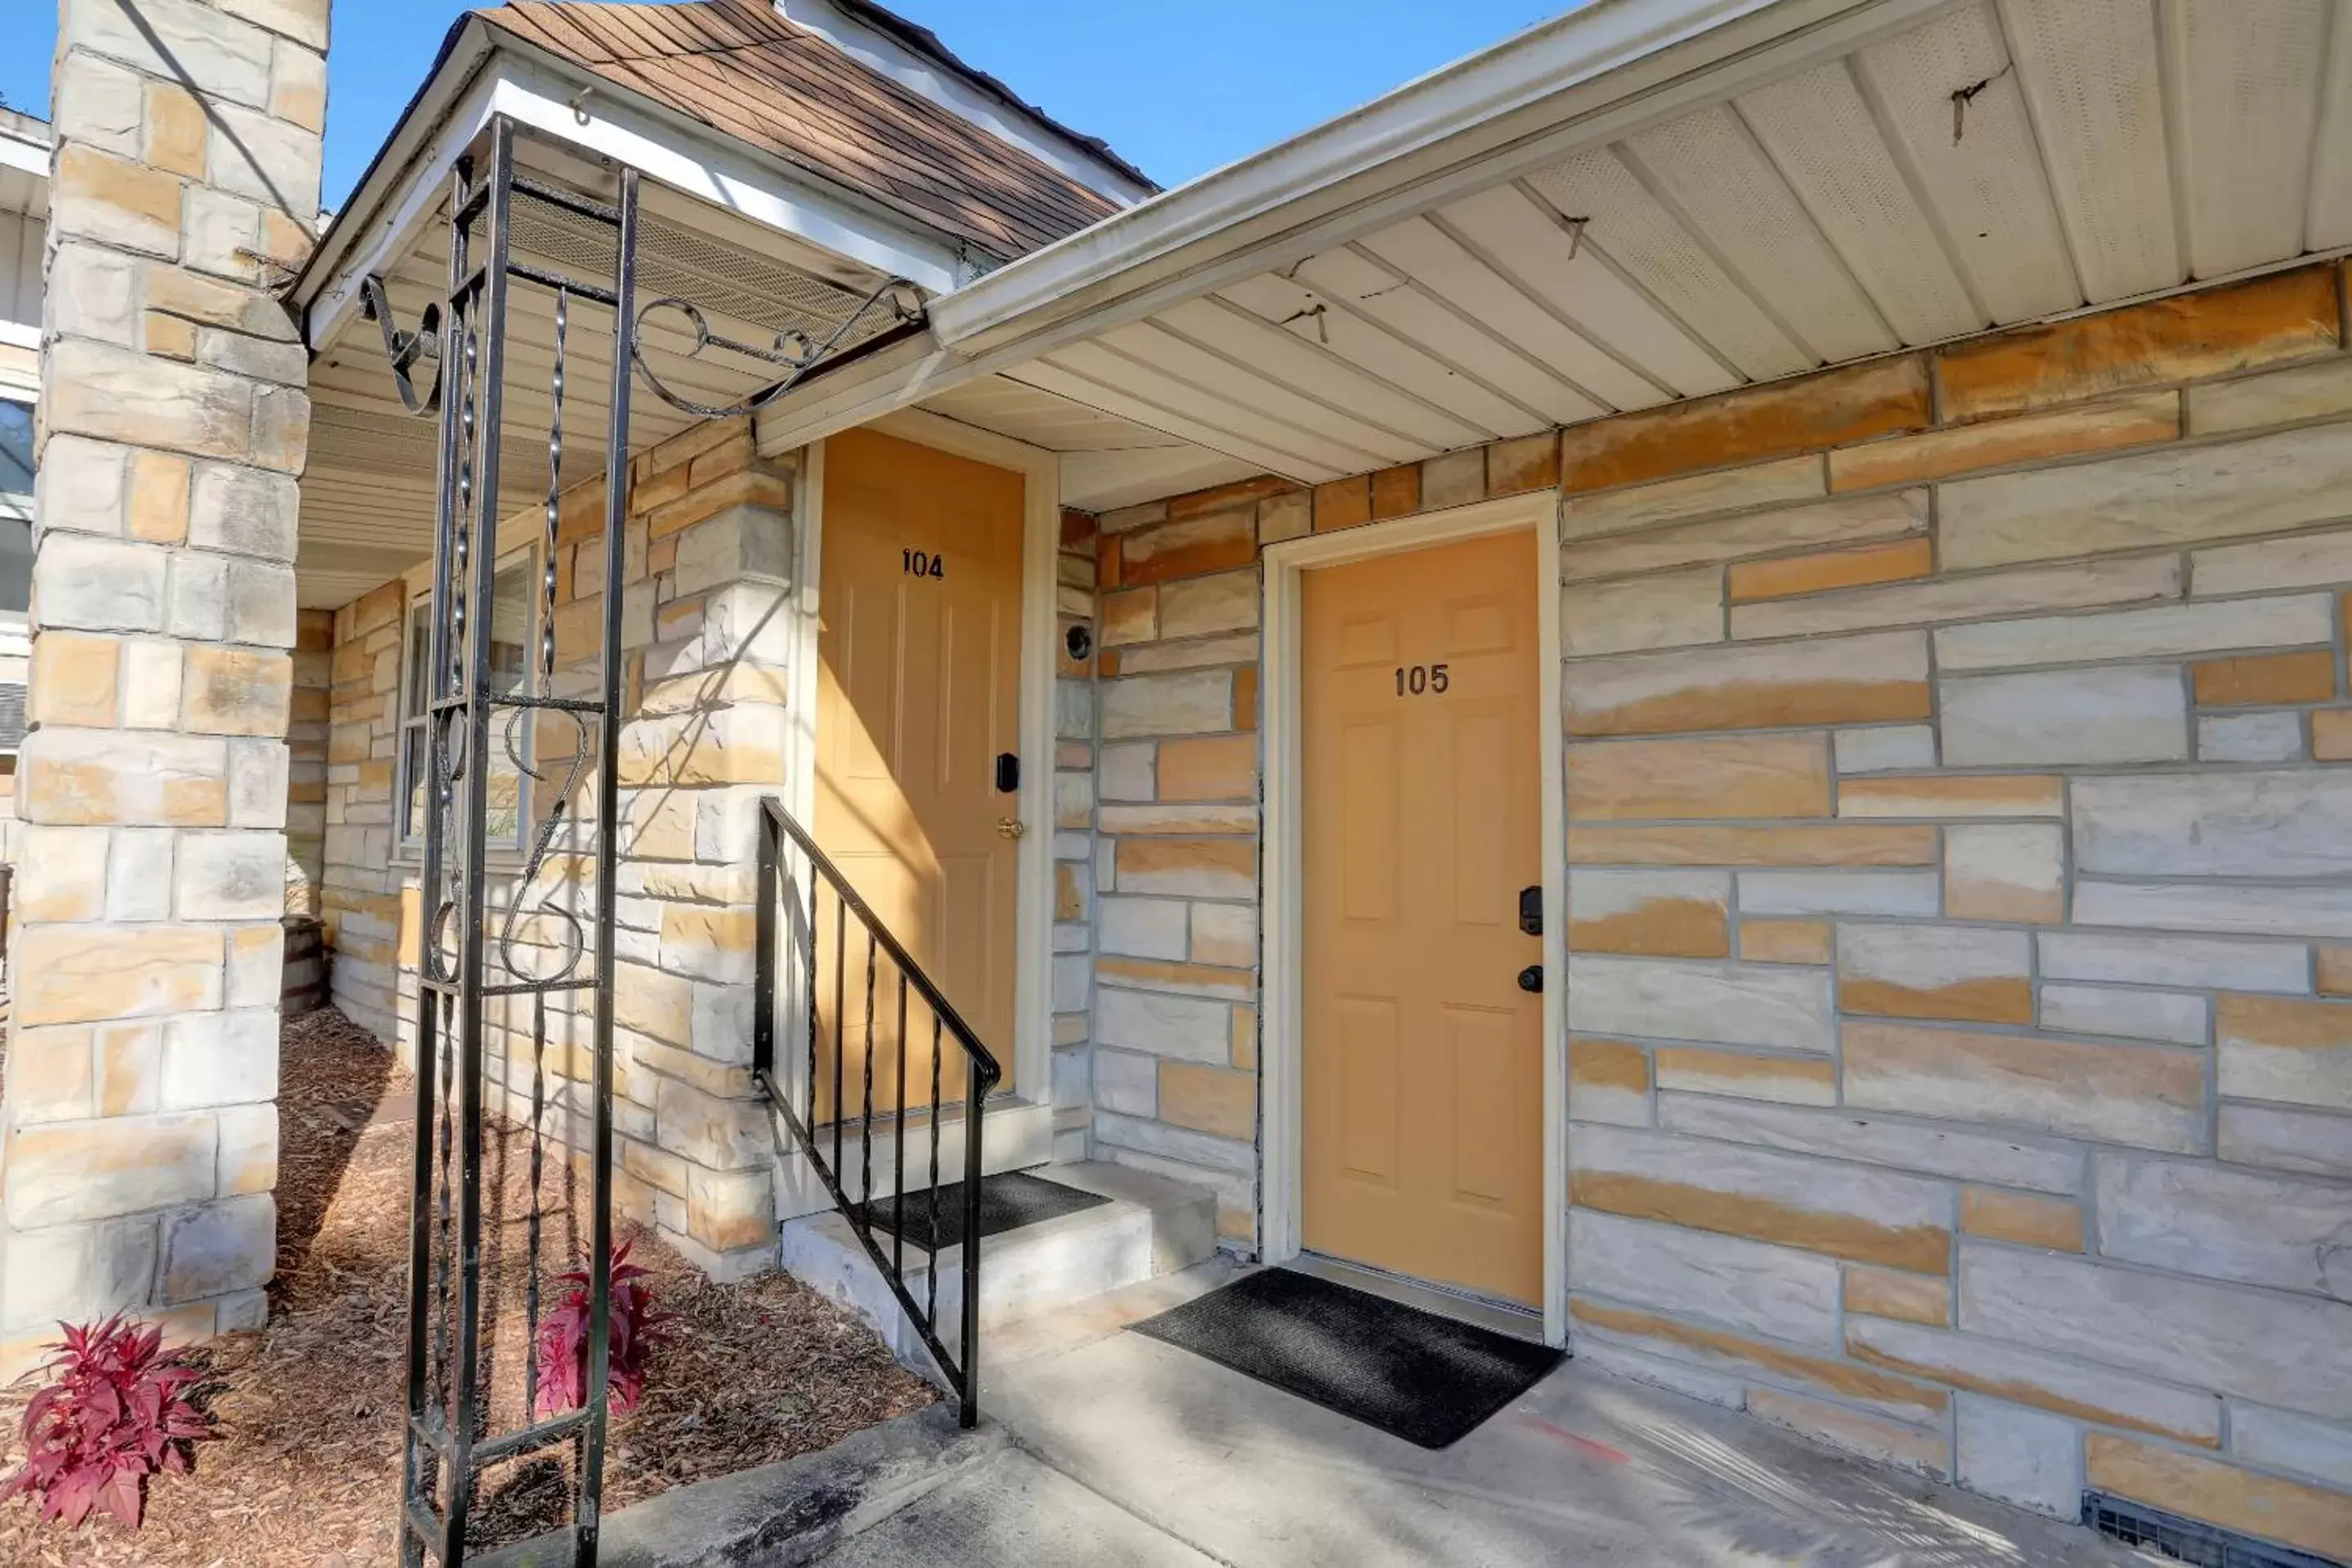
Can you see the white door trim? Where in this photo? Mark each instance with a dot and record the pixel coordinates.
(1031, 1047)
(1283, 1089)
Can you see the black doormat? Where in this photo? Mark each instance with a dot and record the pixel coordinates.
(1413, 1374)
(1008, 1201)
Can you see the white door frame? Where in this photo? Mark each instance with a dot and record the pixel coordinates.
(1283, 1089)
(1021, 1126)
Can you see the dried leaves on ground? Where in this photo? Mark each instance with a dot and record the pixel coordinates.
(305, 1472)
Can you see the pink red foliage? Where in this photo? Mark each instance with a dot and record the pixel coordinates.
(116, 1414)
(634, 1326)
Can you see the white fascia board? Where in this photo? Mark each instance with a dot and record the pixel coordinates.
(1525, 102)
(32, 157)
(722, 171)
(601, 124)
(379, 225)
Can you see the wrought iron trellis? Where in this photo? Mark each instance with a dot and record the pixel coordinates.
(475, 955)
(470, 954)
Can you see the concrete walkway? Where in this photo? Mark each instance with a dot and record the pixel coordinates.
(1126, 1451)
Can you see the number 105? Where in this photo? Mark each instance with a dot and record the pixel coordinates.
(1419, 680)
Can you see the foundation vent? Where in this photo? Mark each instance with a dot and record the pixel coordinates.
(2187, 1539)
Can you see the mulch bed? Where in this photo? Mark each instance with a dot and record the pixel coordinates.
(305, 1472)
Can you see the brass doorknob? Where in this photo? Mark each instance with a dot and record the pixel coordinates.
(1011, 827)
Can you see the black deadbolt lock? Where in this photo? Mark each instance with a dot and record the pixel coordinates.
(1008, 774)
(1079, 639)
(1531, 977)
(1531, 911)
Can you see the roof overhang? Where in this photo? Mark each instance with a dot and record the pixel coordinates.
(481, 74)
(1529, 101)
(1802, 159)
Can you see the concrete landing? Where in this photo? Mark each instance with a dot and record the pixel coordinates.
(1585, 1469)
(1012, 1509)
(1151, 1226)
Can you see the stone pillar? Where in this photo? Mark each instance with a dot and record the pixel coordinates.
(139, 1133)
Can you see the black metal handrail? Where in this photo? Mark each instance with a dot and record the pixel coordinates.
(981, 1070)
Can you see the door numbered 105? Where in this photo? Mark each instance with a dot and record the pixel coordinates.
(1422, 679)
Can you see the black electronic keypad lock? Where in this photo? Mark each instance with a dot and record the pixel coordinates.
(1531, 911)
(1008, 774)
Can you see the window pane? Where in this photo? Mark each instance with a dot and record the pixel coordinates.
(511, 626)
(15, 447)
(412, 768)
(413, 684)
(511, 607)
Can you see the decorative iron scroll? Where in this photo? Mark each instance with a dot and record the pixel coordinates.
(795, 351)
(404, 348)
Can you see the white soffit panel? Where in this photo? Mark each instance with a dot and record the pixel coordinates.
(1978, 165)
(1208, 409)
(1098, 481)
(1827, 145)
(1359, 282)
(2245, 79)
(1247, 388)
(2330, 220)
(1711, 171)
(1507, 243)
(1440, 262)
(2094, 84)
(1040, 419)
(1304, 311)
(1314, 371)
(1115, 396)
(1634, 230)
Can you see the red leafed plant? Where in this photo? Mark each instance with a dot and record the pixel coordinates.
(634, 1327)
(117, 1413)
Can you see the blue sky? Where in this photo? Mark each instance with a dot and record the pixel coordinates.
(1178, 88)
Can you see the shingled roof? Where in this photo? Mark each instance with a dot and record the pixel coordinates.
(743, 70)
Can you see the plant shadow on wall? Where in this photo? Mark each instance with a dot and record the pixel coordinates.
(304, 1469)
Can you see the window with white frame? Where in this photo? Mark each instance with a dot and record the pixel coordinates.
(512, 611)
(15, 505)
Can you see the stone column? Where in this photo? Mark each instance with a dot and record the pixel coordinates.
(139, 1130)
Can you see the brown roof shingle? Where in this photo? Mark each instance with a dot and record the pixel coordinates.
(743, 70)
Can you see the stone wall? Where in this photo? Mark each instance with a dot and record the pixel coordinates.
(1959, 887)
(306, 773)
(705, 636)
(140, 1132)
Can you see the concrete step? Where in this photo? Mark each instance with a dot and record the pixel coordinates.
(1151, 1226)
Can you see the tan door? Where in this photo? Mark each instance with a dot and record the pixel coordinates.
(1424, 1057)
(918, 692)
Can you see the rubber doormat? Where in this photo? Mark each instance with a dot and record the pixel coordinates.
(1413, 1374)
(1008, 1201)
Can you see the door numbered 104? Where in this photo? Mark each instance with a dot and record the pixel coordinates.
(922, 563)
(1423, 679)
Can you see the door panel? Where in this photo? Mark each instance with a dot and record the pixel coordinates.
(1424, 1059)
(919, 689)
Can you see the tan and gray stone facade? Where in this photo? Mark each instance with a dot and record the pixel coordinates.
(1960, 870)
(140, 1138)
